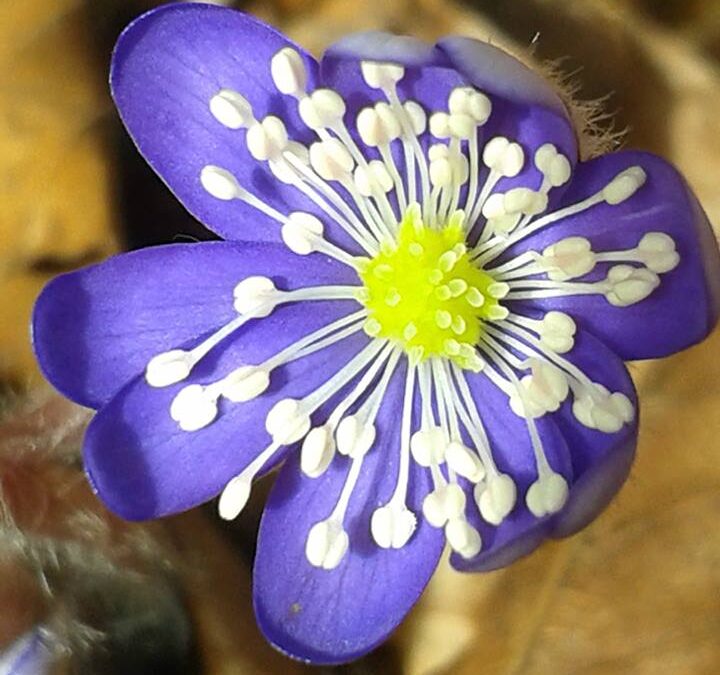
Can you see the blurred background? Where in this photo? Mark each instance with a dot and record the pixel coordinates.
(637, 592)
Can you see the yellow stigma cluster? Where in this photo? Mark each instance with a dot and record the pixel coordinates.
(423, 292)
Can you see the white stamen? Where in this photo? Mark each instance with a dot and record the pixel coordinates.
(624, 185)
(504, 157)
(496, 497)
(381, 75)
(657, 251)
(287, 421)
(318, 450)
(444, 503)
(547, 495)
(428, 446)
(220, 183)
(266, 140)
(354, 436)
(463, 538)
(568, 259)
(463, 461)
(327, 544)
(231, 109)
(234, 497)
(288, 72)
(301, 232)
(554, 166)
(629, 285)
(245, 383)
(323, 109)
(254, 295)
(392, 526)
(193, 408)
(169, 368)
(599, 409)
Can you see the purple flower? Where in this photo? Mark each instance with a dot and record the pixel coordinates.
(422, 307)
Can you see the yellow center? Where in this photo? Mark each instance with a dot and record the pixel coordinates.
(424, 293)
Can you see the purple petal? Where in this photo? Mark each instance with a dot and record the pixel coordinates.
(141, 463)
(601, 462)
(95, 329)
(521, 532)
(493, 70)
(333, 616)
(167, 66)
(685, 307)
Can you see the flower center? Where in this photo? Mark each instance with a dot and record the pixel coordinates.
(425, 294)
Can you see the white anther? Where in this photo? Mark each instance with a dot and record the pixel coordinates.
(440, 125)
(557, 331)
(543, 390)
(326, 544)
(389, 120)
(629, 284)
(463, 461)
(657, 251)
(302, 232)
(381, 75)
(282, 169)
(624, 185)
(417, 116)
(504, 157)
(443, 504)
(354, 437)
(526, 201)
(441, 172)
(318, 450)
(375, 176)
(463, 538)
(601, 410)
(231, 109)
(494, 206)
(169, 368)
(503, 225)
(468, 101)
(234, 497)
(254, 295)
(220, 183)
(553, 165)
(331, 159)
(245, 383)
(428, 446)
(496, 497)
(568, 258)
(287, 422)
(547, 495)
(392, 526)
(193, 408)
(288, 72)
(372, 128)
(266, 140)
(322, 109)
(461, 126)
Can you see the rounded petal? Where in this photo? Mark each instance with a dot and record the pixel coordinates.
(142, 465)
(333, 616)
(601, 462)
(95, 329)
(685, 307)
(167, 66)
(521, 532)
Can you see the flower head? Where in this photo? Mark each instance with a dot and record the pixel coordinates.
(422, 308)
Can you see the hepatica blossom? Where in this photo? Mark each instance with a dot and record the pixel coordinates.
(421, 309)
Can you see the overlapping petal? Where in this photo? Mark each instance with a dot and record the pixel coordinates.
(333, 616)
(95, 329)
(142, 464)
(685, 307)
(166, 67)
